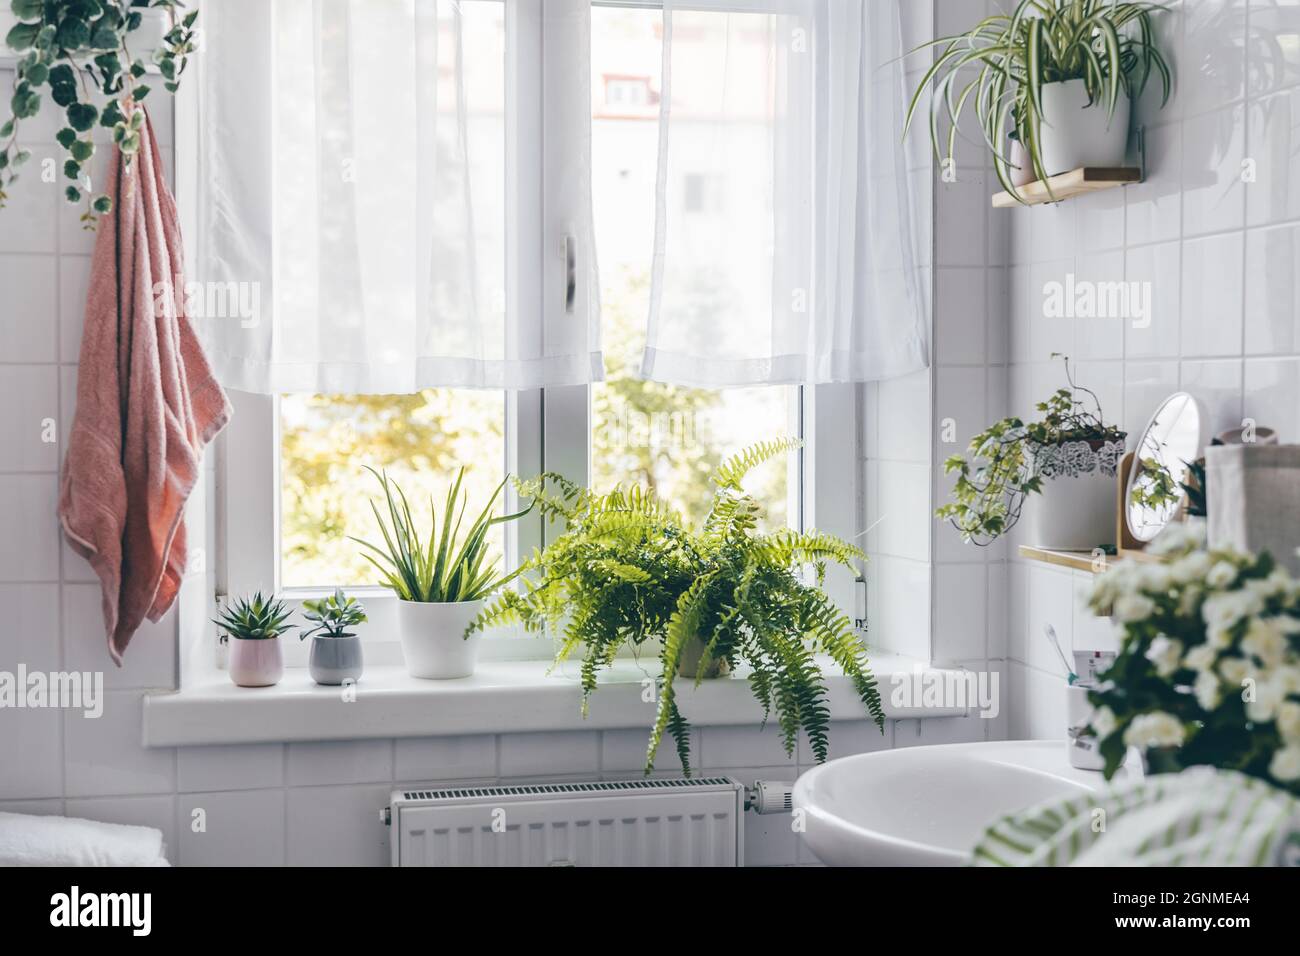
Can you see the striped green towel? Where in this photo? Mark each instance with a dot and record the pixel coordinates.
(1200, 817)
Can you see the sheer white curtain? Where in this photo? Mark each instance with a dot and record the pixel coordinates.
(788, 235)
(354, 187)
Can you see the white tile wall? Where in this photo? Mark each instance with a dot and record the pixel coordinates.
(982, 314)
(1214, 231)
(276, 804)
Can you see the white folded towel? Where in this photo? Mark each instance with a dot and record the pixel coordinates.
(27, 840)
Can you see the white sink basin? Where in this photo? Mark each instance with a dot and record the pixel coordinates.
(927, 806)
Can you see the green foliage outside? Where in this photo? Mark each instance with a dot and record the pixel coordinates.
(644, 433)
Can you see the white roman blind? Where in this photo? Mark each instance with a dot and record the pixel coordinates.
(356, 159)
(816, 279)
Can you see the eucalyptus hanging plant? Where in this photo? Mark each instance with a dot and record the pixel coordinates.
(78, 49)
(1004, 62)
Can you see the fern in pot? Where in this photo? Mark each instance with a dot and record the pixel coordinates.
(1064, 463)
(692, 603)
(441, 579)
(335, 649)
(1055, 77)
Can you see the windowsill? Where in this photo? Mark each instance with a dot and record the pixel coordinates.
(502, 697)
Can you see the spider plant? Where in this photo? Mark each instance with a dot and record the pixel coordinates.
(445, 567)
(1004, 62)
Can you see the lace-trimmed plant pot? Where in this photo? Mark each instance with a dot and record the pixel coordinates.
(1076, 510)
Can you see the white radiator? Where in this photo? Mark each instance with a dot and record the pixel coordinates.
(656, 822)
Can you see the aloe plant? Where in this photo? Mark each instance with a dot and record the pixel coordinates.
(332, 616)
(446, 566)
(1107, 44)
(254, 619)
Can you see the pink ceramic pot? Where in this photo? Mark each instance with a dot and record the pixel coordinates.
(256, 663)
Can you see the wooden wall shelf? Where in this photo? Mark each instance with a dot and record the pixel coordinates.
(1075, 560)
(1077, 182)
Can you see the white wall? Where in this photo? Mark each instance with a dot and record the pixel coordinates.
(264, 804)
(1222, 257)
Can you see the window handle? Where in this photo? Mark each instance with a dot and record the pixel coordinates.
(570, 274)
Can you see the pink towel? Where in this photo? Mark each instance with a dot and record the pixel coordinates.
(147, 404)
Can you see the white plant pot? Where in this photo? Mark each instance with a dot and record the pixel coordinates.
(1075, 134)
(433, 638)
(1077, 508)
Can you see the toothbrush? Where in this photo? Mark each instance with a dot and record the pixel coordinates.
(1070, 675)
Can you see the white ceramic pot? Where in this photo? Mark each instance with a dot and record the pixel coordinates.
(256, 662)
(433, 638)
(1021, 168)
(1077, 508)
(1075, 134)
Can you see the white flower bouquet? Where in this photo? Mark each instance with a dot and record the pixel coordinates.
(1209, 668)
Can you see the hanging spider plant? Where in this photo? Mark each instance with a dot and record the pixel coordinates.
(1108, 45)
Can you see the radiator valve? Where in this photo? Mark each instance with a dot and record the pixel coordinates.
(769, 796)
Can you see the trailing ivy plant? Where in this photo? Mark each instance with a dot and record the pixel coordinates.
(1154, 487)
(75, 49)
(629, 571)
(999, 471)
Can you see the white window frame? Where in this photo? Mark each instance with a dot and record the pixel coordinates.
(545, 429)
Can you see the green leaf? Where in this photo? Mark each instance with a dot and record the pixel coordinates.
(27, 9)
(111, 115)
(102, 205)
(25, 103)
(71, 169)
(103, 34)
(73, 194)
(74, 34)
(63, 85)
(82, 116)
(82, 150)
(36, 74)
(66, 137)
(22, 36)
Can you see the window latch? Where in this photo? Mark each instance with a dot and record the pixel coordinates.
(570, 274)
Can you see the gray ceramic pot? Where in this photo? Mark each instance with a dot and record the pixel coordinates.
(335, 659)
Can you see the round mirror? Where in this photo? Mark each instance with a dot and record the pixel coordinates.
(1171, 441)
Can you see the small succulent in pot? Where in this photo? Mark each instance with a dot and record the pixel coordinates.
(253, 627)
(335, 650)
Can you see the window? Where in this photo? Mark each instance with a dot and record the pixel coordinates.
(294, 487)
(663, 436)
